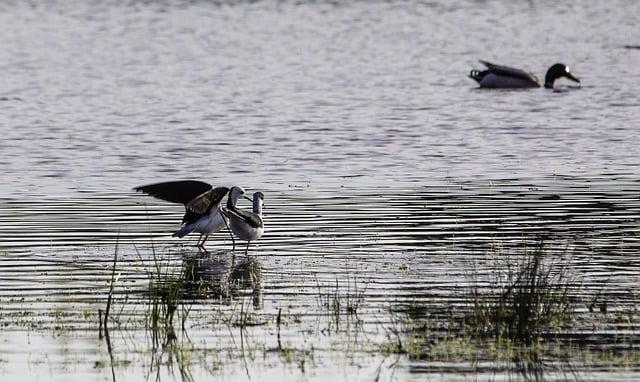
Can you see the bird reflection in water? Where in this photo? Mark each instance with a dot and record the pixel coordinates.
(221, 276)
(218, 277)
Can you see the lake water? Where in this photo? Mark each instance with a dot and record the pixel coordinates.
(388, 177)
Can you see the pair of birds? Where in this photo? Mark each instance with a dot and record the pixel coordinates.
(505, 77)
(204, 212)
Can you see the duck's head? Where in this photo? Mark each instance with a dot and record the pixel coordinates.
(556, 71)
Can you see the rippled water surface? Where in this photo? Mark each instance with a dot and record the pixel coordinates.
(389, 180)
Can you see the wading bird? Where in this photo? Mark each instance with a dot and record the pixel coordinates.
(246, 225)
(504, 77)
(201, 202)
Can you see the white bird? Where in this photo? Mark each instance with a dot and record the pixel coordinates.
(202, 206)
(504, 77)
(246, 225)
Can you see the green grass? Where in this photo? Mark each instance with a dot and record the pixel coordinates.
(530, 299)
(525, 313)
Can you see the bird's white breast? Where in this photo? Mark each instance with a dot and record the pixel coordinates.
(213, 222)
(244, 231)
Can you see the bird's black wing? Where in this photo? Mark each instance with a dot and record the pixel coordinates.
(203, 202)
(250, 218)
(181, 191)
(508, 71)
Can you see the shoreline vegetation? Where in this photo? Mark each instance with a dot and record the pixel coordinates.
(524, 314)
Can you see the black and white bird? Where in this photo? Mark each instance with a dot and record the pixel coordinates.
(505, 77)
(246, 225)
(201, 202)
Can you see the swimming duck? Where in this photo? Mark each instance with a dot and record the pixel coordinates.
(498, 76)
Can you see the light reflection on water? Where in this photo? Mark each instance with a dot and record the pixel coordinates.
(384, 168)
(306, 94)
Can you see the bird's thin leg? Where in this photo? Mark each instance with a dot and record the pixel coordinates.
(246, 250)
(205, 239)
(230, 234)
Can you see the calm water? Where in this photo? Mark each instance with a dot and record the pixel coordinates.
(103, 95)
(385, 171)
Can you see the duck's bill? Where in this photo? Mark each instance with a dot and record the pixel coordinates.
(572, 77)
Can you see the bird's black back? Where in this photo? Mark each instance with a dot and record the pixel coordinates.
(507, 71)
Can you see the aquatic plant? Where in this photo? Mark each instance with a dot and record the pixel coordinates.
(528, 299)
(165, 296)
(526, 314)
(340, 304)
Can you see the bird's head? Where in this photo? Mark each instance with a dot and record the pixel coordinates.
(234, 194)
(258, 198)
(258, 201)
(557, 71)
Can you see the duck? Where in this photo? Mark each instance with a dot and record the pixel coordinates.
(246, 225)
(505, 77)
(201, 202)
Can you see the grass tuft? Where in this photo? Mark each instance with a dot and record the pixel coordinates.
(529, 300)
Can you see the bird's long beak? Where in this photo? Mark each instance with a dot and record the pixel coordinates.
(572, 78)
(248, 198)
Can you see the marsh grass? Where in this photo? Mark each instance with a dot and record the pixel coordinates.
(510, 304)
(170, 295)
(517, 299)
(166, 305)
(340, 304)
(516, 314)
(529, 298)
(527, 315)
